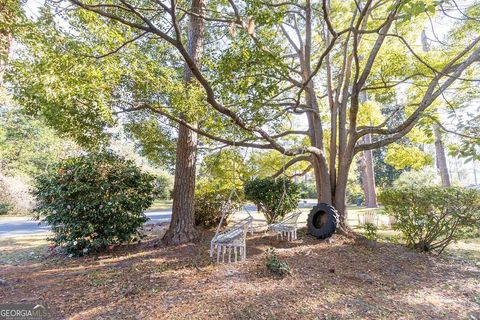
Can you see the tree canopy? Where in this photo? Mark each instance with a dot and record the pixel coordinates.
(344, 70)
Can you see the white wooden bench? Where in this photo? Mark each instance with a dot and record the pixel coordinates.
(368, 216)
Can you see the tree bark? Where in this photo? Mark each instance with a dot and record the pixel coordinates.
(341, 191)
(441, 157)
(182, 226)
(367, 172)
(439, 147)
(475, 172)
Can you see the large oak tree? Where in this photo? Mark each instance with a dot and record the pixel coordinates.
(268, 62)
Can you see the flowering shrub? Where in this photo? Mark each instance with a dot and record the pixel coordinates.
(93, 201)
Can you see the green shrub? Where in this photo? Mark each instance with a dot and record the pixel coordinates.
(163, 186)
(5, 208)
(93, 201)
(370, 231)
(355, 194)
(430, 218)
(426, 177)
(275, 265)
(308, 190)
(274, 197)
(210, 205)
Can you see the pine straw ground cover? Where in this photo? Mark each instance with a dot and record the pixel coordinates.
(341, 279)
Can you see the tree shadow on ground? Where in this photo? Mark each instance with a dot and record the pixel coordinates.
(339, 279)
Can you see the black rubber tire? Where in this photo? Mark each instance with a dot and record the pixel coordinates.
(322, 221)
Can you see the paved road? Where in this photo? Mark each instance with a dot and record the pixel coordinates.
(24, 226)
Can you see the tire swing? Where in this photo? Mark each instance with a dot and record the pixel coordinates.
(322, 221)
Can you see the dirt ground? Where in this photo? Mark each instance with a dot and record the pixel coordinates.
(338, 279)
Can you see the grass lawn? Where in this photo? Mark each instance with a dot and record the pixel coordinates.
(338, 279)
(20, 250)
(161, 205)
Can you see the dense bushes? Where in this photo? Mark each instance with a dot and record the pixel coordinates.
(274, 197)
(163, 186)
(94, 201)
(308, 190)
(429, 218)
(5, 208)
(211, 203)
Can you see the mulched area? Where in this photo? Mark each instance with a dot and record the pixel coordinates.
(337, 279)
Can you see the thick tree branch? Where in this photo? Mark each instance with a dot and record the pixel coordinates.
(393, 134)
(290, 163)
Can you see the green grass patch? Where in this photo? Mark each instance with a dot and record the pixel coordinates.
(20, 250)
(161, 205)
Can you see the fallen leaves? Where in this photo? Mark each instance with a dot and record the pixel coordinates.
(330, 280)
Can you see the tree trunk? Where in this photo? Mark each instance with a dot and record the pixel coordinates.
(439, 148)
(341, 191)
(475, 172)
(441, 157)
(182, 226)
(368, 176)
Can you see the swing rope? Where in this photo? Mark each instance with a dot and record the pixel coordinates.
(284, 196)
(232, 192)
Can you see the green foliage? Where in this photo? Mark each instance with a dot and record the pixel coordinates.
(308, 190)
(369, 114)
(355, 193)
(54, 79)
(27, 146)
(402, 156)
(370, 231)
(265, 164)
(274, 197)
(275, 265)
(163, 186)
(468, 146)
(211, 203)
(93, 201)
(385, 174)
(430, 218)
(5, 208)
(153, 139)
(417, 178)
(224, 169)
